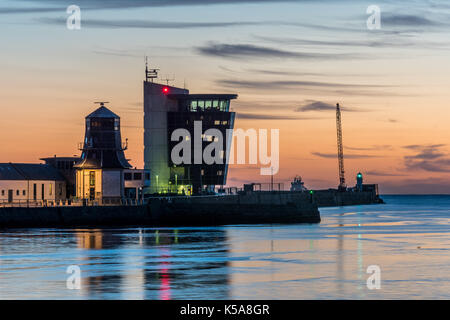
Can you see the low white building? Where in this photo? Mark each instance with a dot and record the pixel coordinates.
(25, 183)
(135, 181)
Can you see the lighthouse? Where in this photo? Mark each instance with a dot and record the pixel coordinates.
(99, 173)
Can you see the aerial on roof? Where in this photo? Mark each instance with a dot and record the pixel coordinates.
(29, 171)
(103, 112)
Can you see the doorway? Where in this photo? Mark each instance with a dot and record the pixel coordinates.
(10, 196)
(91, 193)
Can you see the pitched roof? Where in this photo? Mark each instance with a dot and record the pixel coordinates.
(29, 171)
(103, 112)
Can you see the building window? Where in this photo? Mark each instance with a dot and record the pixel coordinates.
(17, 192)
(3, 192)
(194, 105)
(24, 192)
(127, 176)
(50, 189)
(138, 176)
(92, 178)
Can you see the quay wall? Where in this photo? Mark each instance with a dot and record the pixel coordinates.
(333, 198)
(253, 208)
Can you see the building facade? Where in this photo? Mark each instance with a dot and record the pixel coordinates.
(65, 166)
(168, 108)
(31, 183)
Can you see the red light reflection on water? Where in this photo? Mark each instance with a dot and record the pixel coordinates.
(164, 288)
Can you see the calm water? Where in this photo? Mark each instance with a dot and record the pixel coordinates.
(408, 238)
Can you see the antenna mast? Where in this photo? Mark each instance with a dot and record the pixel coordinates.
(167, 79)
(342, 185)
(150, 73)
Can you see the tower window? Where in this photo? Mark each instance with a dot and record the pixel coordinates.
(92, 178)
(127, 176)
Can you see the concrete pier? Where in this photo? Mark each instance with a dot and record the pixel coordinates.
(252, 208)
(335, 198)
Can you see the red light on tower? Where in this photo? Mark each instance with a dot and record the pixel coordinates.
(165, 90)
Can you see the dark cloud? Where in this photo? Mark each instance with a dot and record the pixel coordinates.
(348, 156)
(17, 10)
(370, 148)
(370, 42)
(283, 72)
(312, 105)
(147, 24)
(424, 146)
(427, 158)
(267, 105)
(279, 84)
(127, 4)
(383, 174)
(253, 116)
(408, 20)
(239, 51)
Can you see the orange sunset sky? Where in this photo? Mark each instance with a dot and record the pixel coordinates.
(289, 62)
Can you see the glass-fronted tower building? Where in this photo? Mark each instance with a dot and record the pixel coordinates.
(167, 108)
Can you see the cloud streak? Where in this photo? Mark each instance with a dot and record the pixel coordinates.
(146, 24)
(429, 158)
(348, 156)
(127, 4)
(239, 51)
(253, 116)
(280, 84)
(313, 105)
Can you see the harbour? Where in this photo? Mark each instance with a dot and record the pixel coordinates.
(408, 238)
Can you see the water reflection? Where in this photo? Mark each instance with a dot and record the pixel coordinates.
(146, 263)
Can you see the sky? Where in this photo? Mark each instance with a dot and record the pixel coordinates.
(290, 62)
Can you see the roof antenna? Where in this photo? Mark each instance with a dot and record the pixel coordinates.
(150, 73)
(167, 79)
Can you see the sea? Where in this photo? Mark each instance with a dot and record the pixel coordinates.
(397, 250)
